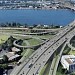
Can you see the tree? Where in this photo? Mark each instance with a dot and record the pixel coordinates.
(3, 66)
(9, 48)
(3, 46)
(5, 58)
(10, 41)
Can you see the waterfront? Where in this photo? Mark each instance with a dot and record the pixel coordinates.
(30, 17)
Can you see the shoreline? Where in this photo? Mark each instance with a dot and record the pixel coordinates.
(52, 8)
(40, 9)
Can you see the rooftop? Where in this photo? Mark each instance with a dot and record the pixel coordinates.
(9, 54)
(69, 58)
(14, 49)
(13, 57)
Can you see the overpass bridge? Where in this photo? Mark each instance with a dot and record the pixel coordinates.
(56, 58)
(40, 57)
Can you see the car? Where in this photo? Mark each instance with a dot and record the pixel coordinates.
(18, 63)
(30, 65)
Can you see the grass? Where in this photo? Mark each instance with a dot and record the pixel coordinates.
(66, 50)
(60, 70)
(24, 44)
(42, 71)
(47, 36)
(14, 31)
(46, 69)
(8, 30)
(46, 72)
(3, 38)
(26, 53)
(72, 52)
(32, 42)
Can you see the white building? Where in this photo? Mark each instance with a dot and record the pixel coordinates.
(68, 62)
(12, 56)
(14, 49)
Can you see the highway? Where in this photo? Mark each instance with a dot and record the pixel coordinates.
(39, 58)
(55, 61)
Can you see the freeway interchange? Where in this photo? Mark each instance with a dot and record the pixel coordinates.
(34, 64)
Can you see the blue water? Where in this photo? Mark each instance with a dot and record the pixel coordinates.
(56, 17)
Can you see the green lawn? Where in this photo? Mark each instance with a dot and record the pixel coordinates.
(66, 50)
(32, 42)
(26, 53)
(60, 71)
(72, 52)
(46, 69)
(24, 44)
(9, 31)
(44, 36)
(3, 38)
(42, 71)
(14, 31)
(46, 72)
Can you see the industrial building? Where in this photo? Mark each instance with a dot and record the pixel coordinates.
(68, 62)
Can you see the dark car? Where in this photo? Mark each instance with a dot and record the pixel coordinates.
(30, 65)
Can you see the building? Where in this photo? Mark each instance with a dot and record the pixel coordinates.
(68, 62)
(15, 57)
(14, 49)
(12, 56)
